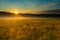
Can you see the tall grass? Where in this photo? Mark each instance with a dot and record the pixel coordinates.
(29, 29)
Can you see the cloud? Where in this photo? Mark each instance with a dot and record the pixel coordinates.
(48, 6)
(53, 4)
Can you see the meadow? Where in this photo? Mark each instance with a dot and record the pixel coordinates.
(29, 29)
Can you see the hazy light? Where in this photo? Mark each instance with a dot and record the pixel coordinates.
(16, 12)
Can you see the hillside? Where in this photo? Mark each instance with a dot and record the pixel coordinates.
(44, 14)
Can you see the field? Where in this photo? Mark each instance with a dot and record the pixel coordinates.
(29, 29)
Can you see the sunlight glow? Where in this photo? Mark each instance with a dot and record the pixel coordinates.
(16, 12)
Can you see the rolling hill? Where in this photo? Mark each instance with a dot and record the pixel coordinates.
(44, 14)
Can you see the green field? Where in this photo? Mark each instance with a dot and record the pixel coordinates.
(30, 29)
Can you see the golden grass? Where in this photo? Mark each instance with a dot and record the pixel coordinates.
(30, 29)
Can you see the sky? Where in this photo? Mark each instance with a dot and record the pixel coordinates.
(27, 6)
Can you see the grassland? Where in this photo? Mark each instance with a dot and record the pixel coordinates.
(30, 29)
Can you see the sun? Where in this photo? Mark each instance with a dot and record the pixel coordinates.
(16, 12)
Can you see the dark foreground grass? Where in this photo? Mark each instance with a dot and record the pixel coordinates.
(30, 29)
